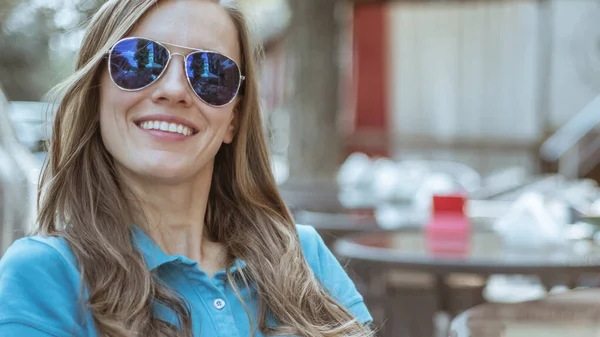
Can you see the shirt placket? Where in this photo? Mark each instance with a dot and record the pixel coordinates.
(212, 296)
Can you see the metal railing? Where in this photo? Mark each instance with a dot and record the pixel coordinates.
(566, 145)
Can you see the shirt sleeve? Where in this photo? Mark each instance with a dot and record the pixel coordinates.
(332, 275)
(37, 292)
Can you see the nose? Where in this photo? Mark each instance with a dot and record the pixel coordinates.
(173, 87)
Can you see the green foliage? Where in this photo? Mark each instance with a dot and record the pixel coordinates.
(32, 39)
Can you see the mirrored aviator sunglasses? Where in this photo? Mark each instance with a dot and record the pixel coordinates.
(134, 63)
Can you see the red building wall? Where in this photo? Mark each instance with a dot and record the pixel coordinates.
(369, 132)
(365, 111)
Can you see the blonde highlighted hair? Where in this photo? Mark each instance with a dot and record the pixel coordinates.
(83, 201)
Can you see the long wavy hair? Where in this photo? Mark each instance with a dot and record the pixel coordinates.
(81, 199)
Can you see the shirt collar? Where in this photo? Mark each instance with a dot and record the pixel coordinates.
(156, 257)
(152, 253)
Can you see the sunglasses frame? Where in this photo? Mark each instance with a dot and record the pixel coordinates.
(185, 58)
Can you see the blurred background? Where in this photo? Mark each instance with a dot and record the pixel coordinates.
(447, 151)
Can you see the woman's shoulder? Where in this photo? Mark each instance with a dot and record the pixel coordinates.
(38, 255)
(39, 287)
(309, 238)
(331, 273)
(316, 253)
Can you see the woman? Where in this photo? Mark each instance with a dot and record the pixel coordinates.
(160, 215)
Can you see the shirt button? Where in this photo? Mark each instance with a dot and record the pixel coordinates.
(219, 303)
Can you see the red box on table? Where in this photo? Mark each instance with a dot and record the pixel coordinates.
(449, 229)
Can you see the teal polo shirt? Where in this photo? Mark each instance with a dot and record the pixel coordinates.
(39, 288)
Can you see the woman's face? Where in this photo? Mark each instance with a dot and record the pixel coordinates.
(162, 155)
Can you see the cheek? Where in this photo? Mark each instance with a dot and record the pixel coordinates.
(114, 124)
(217, 119)
(223, 119)
(114, 102)
(108, 98)
(109, 115)
(107, 106)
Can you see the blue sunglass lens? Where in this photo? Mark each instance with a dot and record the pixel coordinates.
(136, 63)
(214, 77)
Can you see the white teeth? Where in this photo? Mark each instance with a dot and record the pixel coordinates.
(164, 126)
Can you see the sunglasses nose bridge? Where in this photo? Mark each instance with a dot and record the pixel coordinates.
(184, 57)
(180, 54)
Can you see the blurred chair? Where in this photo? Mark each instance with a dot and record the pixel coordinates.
(19, 171)
(32, 123)
(570, 313)
(410, 304)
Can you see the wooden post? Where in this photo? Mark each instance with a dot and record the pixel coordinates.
(314, 151)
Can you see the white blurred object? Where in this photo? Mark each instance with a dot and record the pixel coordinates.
(513, 289)
(505, 178)
(394, 216)
(269, 18)
(580, 231)
(580, 195)
(487, 209)
(281, 169)
(466, 176)
(32, 122)
(420, 179)
(355, 172)
(437, 183)
(530, 224)
(411, 176)
(355, 199)
(559, 211)
(595, 208)
(386, 179)
(596, 238)
(505, 175)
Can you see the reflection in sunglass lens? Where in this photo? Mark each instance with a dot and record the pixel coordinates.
(136, 63)
(214, 77)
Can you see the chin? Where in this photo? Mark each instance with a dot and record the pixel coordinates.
(164, 169)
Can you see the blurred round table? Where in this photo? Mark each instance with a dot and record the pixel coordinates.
(407, 250)
(485, 254)
(573, 313)
(340, 223)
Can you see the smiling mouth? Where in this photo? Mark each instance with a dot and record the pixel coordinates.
(167, 127)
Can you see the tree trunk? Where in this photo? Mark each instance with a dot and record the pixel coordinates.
(313, 90)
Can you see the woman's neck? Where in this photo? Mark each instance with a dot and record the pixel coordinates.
(173, 216)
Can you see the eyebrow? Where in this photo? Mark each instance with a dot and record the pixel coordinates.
(175, 45)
